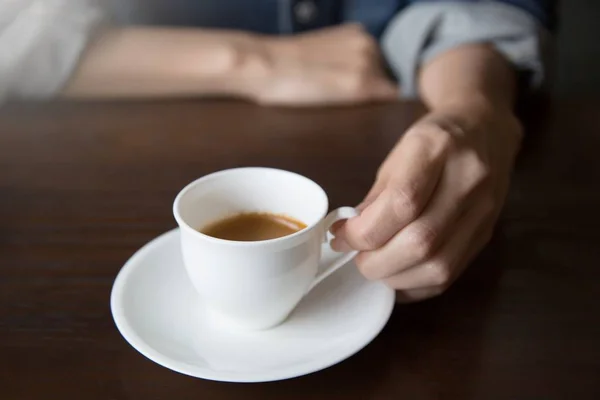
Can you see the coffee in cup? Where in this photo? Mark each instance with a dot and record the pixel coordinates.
(253, 226)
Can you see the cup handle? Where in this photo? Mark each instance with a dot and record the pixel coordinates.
(331, 218)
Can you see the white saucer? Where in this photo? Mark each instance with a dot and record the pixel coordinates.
(158, 312)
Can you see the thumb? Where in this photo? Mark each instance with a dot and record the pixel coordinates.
(369, 230)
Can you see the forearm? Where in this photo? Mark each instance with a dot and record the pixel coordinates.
(469, 76)
(147, 62)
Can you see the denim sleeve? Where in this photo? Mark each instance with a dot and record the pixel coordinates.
(426, 29)
(544, 11)
(41, 42)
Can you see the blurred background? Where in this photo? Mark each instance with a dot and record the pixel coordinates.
(577, 58)
(578, 48)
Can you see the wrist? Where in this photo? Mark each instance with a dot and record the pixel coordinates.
(257, 60)
(478, 120)
(252, 64)
(469, 77)
(473, 103)
(237, 68)
(474, 111)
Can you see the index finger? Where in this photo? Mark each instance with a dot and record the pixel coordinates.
(417, 169)
(369, 198)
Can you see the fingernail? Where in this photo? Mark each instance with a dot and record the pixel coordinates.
(336, 227)
(340, 245)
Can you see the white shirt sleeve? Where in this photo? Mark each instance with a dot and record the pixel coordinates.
(426, 29)
(41, 42)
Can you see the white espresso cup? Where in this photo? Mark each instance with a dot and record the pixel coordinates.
(255, 285)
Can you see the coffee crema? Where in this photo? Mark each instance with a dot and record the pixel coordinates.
(253, 226)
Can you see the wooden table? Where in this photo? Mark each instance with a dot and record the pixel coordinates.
(82, 186)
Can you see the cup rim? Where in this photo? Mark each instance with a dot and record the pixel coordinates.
(214, 175)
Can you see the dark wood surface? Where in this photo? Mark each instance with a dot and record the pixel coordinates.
(82, 186)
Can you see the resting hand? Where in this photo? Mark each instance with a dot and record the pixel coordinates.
(332, 66)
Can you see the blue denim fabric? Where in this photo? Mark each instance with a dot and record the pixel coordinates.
(281, 16)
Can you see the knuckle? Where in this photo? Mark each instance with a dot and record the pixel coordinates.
(439, 274)
(364, 42)
(422, 240)
(444, 137)
(405, 202)
(366, 238)
(480, 170)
